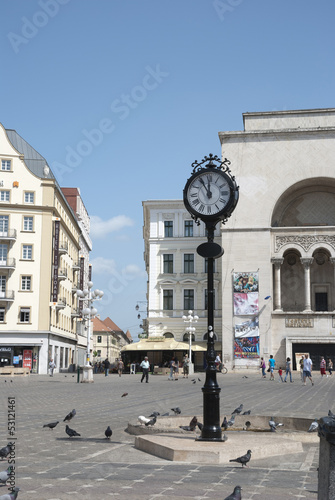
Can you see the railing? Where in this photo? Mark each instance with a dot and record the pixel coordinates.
(62, 274)
(7, 295)
(8, 263)
(63, 247)
(76, 265)
(61, 303)
(75, 313)
(9, 234)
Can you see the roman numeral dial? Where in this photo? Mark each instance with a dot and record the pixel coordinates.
(208, 193)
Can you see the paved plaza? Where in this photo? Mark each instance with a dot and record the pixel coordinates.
(51, 466)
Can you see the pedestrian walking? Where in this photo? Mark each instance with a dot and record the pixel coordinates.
(52, 366)
(288, 370)
(171, 366)
(308, 365)
(330, 366)
(263, 366)
(107, 366)
(186, 363)
(272, 363)
(323, 366)
(120, 367)
(145, 365)
(280, 373)
(176, 369)
(301, 364)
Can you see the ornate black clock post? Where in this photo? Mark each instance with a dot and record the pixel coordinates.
(211, 195)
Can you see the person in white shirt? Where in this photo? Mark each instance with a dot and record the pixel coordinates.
(145, 365)
(308, 369)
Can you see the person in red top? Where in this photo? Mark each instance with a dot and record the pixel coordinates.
(280, 373)
(323, 366)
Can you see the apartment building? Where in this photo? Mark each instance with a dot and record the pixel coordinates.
(40, 262)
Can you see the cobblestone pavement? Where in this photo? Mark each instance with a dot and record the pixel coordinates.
(51, 466)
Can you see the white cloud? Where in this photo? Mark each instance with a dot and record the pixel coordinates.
(103, 266)
(100, 228)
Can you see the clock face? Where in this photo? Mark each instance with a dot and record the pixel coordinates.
(208, 193)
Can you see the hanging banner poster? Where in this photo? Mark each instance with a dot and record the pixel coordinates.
(27, 358)
(246, 347)
(245, 282)
(247, 329)
(245, 304)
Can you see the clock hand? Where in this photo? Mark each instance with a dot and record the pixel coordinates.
(208, 192)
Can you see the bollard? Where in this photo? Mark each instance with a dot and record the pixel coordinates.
(326, 474)
(78, 374)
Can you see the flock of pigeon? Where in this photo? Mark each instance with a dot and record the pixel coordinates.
(71, 432)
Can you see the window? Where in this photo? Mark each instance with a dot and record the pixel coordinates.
(4, 195)
(168, 300)
(26, 283)
(4, 220)
(168, 229)
(27, 252)
(189, 263)
(99, 339)
(99, 353)
(25, 315)
(5, 164)
(206, 299)
(28, 197)
(321, 301)
(188, 299)
(27, 223)
(188, 228)
(2, 314)
(168, 263)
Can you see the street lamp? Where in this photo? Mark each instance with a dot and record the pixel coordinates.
(191, 330)
(88, 313)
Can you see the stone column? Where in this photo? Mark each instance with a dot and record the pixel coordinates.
(332, 260)
(307, 262)
(326, 474)
(277, 283)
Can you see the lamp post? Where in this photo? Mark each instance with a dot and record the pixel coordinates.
(211, 195)
(88, 313)
(144, 324)
(190, 329)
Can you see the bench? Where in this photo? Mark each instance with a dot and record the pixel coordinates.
(12, 371)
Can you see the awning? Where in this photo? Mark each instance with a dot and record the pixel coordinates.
(163, 345)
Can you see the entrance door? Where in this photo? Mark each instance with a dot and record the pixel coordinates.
(3, 254)
(4, 225)
(2, 287)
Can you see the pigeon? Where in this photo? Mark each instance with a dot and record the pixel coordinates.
(70, 416)
(154, 414)
(200, 426)
(246, 412)
(314, 426)
(166, 414)
(193, 423)
(244, 376)
(4, 452)
(11, 496)
(124, 394)
(151, 422)
(177, 410)
(231, 421)
(199, 379)
(244, 459)
(52, 425)
(5, 475)
(247, 425)
(71, 432)
(238, 410)
(194, 382)
(273, 425)
(108, 432)
(143, 420)
(331, 414)
(224, 424)
(187, 428)
(236, 495)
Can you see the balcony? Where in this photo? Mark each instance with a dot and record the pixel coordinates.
(61, 303)
(7, 296)
(75, 286)
(75, 313)
(7, 264)
(63, 248)
(8, 235)
(62, 274)
(76, 266)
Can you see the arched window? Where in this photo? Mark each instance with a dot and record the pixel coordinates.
(168, 335)
(186, 337)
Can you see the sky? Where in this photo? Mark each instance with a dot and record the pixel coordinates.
(122, 96)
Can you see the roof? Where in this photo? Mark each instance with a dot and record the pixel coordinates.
(100, 326)
(112, 325)
(163, 344)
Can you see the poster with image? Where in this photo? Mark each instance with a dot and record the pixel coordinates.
(247, 328)
(245, 304)
(247, 347)
(245, 282)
